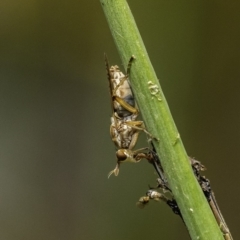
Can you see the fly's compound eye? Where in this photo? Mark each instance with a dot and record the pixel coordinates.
(121, 155)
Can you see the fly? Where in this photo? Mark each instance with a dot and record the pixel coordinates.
(154, 195)
(124, 128)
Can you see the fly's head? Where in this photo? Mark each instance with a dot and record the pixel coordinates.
(142, 202)
(126, 155)
(121, 157)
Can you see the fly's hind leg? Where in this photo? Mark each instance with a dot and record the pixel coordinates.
(125, 105)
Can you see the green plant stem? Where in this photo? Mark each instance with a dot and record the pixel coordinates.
(195, 210)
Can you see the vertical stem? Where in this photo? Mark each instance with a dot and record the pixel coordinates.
(158, 120)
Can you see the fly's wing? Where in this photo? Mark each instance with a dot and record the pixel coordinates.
(110, 89)
(109, 80)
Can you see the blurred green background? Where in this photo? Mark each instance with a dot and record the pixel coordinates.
(55, 114)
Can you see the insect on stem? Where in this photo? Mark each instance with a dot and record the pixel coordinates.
(124, 128)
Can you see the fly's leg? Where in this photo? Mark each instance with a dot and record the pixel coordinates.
(115, 171)
(125, 105)
(139, 125)
(134, 140)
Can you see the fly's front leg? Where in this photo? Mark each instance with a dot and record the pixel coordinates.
(115, 171)
(125, 105)
(139, 125)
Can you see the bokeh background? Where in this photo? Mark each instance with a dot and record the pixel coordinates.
(54, 116)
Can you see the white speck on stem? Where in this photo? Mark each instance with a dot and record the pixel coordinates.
(154, 90)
